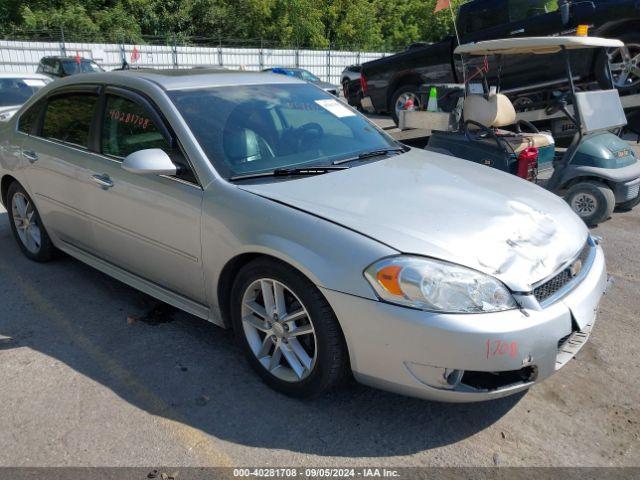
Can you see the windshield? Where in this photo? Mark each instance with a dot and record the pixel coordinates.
(258, 128)
(72, 67)
(16, 91)
(305, 75)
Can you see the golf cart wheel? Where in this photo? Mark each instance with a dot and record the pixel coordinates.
(592, 201)
(288, 331)
(26, 225)
(629, 204)
(401, 96)
(624, 63)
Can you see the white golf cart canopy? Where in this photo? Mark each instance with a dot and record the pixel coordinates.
(538, 45)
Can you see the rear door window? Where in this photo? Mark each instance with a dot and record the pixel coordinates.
(484, 16)
(523, 9)
(27, 121)
(68, 118)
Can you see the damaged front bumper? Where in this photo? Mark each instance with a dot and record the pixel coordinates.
(469, 357)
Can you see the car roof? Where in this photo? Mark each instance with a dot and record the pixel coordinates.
(181, 79)
(58, 57)
(24, 75)
(538, 45)
(293, 69)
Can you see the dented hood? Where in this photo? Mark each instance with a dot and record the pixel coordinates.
(435, 205)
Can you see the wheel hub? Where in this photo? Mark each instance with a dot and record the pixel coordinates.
(584, 204)
(278, 330)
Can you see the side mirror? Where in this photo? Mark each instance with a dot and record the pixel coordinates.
(565, 12)
(151, 161)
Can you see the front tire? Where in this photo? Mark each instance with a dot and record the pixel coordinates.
(287, 330)
(27, 226)
(592, 201)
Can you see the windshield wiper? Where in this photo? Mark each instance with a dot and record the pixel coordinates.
(371, 154)
(286, 172)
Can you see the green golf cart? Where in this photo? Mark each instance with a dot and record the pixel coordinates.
(596, 173)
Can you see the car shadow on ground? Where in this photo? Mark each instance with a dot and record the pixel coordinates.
(174, 365)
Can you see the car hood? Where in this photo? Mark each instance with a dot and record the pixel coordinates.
(7, 112)
(9, 108)
(326, 85)
(439, 206)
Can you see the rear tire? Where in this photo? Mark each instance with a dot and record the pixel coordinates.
(632, 84)
(27, 226)
(408, 91)
(592, 201)
(267, 292)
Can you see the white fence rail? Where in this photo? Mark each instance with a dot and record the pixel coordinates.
(23, 56)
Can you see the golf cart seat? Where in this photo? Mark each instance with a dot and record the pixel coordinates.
(497, 111)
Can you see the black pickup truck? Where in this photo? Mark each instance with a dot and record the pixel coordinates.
(389, 82)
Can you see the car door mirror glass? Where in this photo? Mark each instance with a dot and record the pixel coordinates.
(151, 161)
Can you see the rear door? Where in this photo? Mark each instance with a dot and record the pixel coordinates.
(56, 146)
(148, 225)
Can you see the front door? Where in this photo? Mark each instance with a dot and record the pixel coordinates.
(148, 225)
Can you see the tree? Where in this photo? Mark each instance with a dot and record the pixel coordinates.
(339, 24)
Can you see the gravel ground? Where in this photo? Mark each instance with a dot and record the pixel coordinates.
(84, 384)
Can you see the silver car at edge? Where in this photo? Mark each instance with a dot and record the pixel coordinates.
(261, 203)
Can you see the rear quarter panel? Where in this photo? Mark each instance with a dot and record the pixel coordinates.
(10, 146)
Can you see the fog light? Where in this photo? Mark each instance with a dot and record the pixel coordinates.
(435, 377)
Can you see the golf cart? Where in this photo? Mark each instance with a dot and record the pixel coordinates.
(596, 173)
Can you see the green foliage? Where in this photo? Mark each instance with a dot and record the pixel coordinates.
(336, 24)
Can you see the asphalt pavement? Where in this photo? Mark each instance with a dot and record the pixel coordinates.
(94, 373)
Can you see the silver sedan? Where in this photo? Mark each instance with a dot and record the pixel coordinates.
(263, 204)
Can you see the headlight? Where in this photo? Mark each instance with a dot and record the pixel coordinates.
(435, 285)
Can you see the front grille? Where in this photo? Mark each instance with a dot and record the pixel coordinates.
(627, 191)
(550, 287)
(632, 192)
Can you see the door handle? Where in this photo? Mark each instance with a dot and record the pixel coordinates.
(103, 180)
(30, 155)
(520, 30)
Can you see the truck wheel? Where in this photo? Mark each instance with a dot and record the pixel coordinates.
(625, 65)
(400, 98)
(592, 201)
(628, 205)
(345, 88)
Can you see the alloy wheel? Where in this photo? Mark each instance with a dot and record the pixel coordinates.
(26, 224)
(279, 330)
(625, 65)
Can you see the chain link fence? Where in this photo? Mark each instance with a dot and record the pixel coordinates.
(23, 55)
